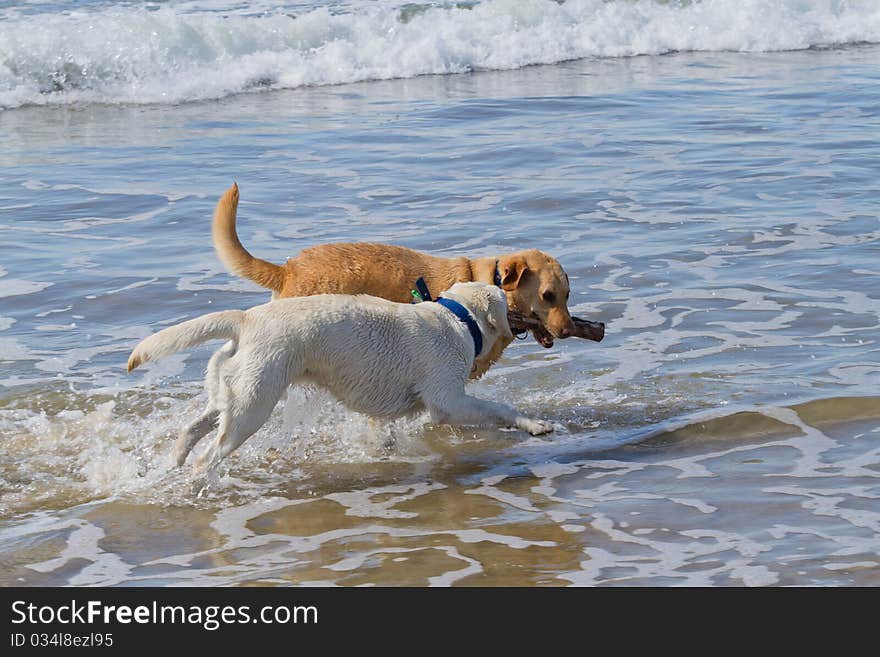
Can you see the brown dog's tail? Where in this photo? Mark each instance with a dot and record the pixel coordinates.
(233, 254)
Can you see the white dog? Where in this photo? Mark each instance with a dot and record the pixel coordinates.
(381, 358)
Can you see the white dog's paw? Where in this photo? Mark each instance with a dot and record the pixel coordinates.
(534, 427)
(178, 455)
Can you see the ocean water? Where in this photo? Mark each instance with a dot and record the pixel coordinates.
(705, 171)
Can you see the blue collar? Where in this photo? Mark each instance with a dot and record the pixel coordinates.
(497, 277)
(461, 312)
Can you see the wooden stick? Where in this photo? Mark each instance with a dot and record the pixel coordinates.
(584, 328)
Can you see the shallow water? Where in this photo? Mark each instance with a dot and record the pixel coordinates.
(716, 209)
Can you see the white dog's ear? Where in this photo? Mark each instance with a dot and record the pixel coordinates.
(496, 315)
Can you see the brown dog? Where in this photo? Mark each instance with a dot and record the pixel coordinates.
(535, 283)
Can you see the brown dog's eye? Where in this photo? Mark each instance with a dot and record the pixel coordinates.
(548, 296)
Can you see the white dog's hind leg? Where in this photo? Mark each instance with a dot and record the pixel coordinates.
(463, 410)
(250, 397)
(232, 436)
(195, 431)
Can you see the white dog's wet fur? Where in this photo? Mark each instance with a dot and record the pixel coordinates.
(380, 358)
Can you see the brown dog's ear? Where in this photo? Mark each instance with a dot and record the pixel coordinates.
(512, 272)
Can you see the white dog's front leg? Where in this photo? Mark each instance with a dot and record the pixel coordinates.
(465, 410)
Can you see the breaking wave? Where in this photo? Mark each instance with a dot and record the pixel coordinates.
(180, 52)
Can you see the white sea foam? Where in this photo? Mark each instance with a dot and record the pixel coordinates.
(193, 51)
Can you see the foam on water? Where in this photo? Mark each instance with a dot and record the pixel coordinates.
(192, 51)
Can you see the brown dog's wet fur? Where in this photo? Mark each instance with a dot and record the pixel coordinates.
(535, 283)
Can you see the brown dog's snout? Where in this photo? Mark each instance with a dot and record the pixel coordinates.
(560, 324)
